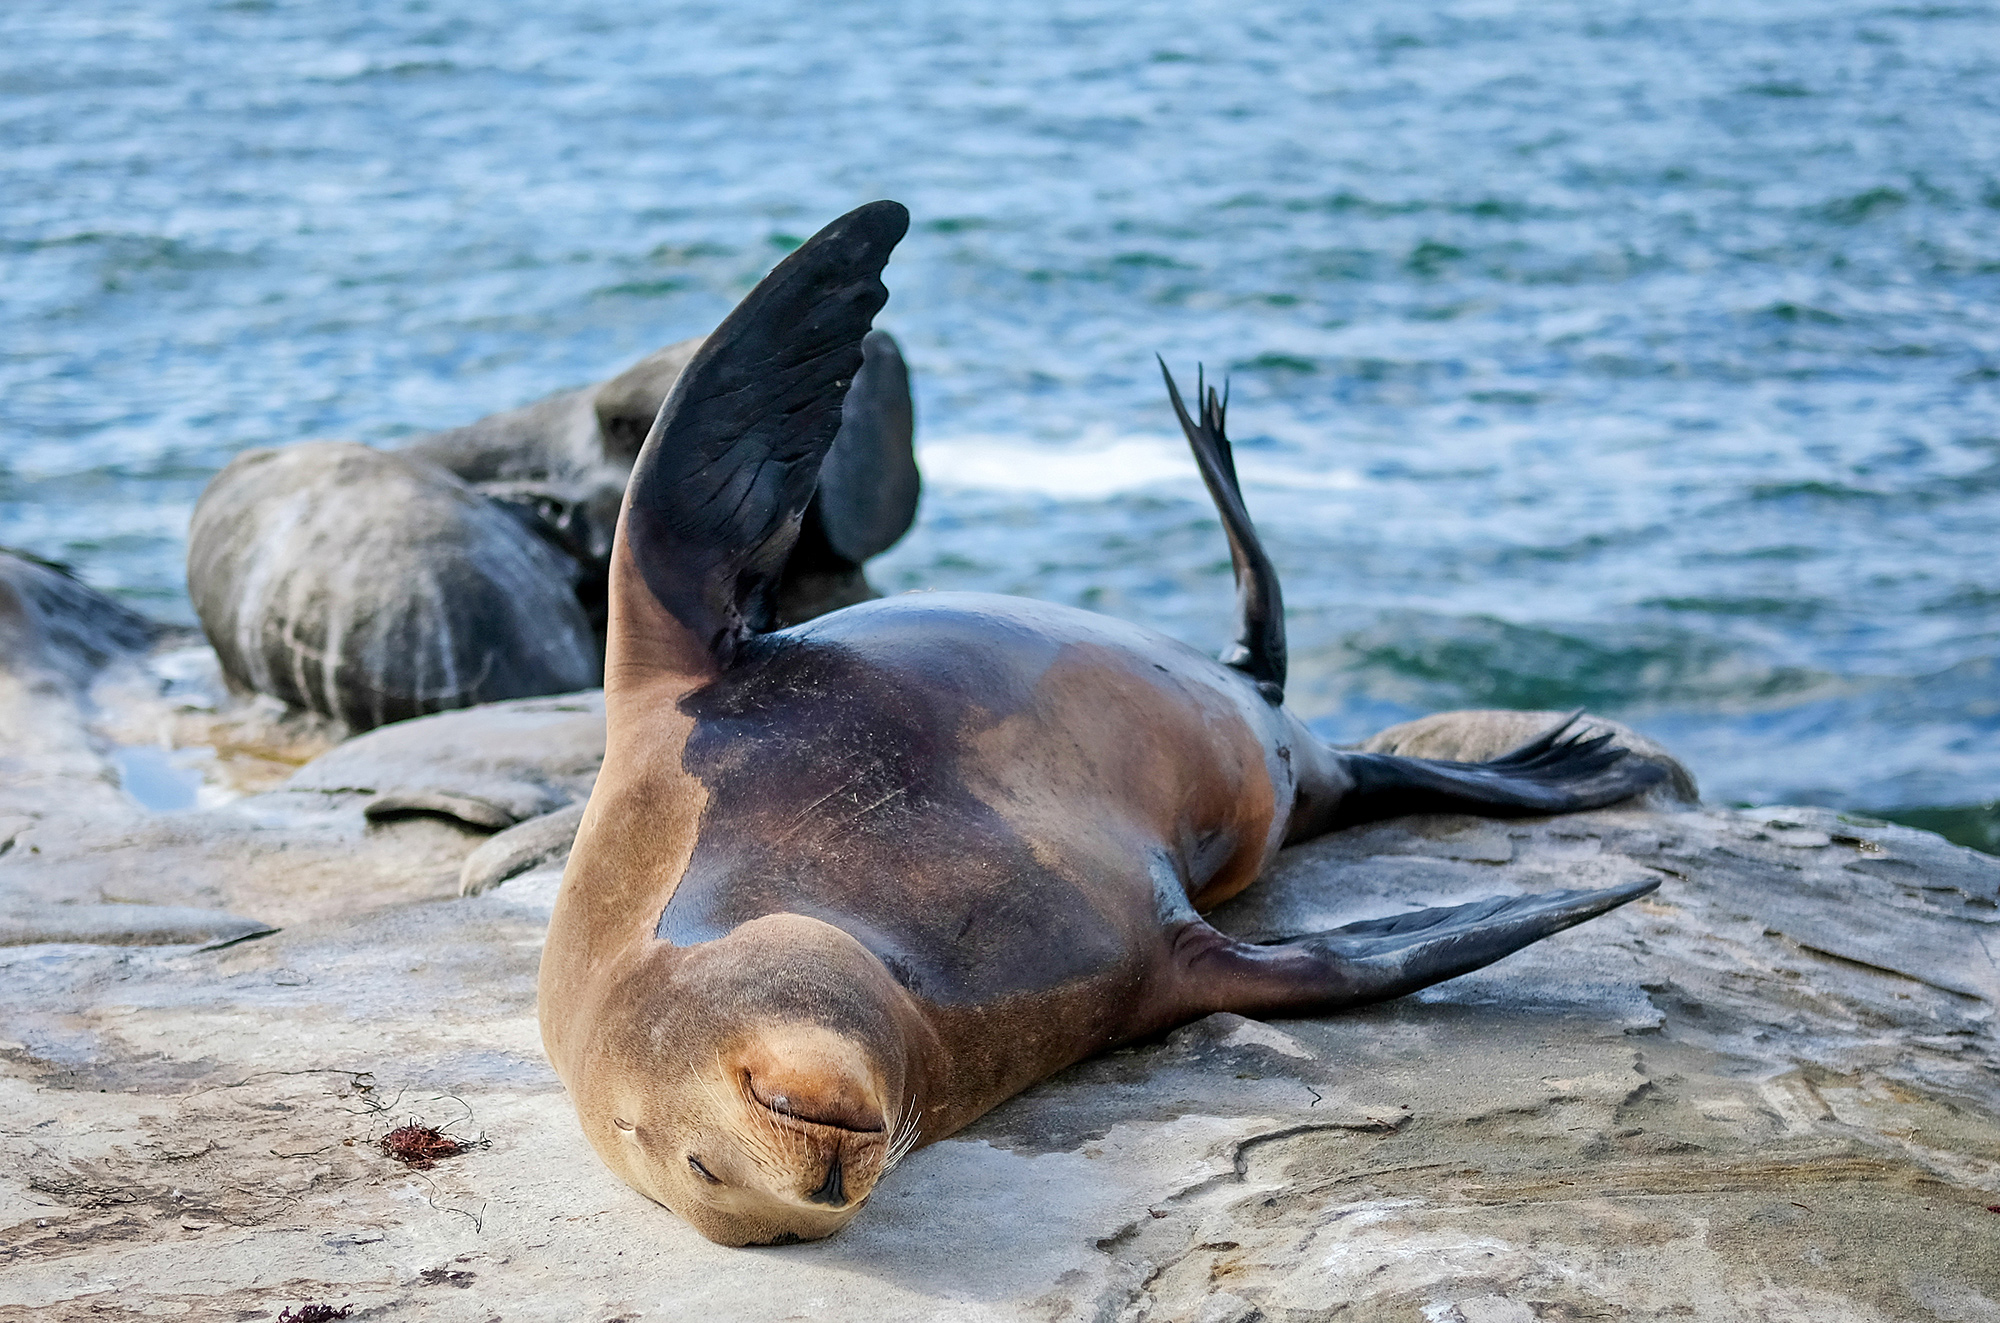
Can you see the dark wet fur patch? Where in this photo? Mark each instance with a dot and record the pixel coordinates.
(836, 791)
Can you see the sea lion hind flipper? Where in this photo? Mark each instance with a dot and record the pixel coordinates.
(1534, 748)
(1555, 772)
(724, 477)
(528, 844)
(1259, 650)
(1379, 959)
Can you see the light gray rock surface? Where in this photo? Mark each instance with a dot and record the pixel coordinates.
(1769, 1091)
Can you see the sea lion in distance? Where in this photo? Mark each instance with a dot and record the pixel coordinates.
(843, 887)
(470, 566)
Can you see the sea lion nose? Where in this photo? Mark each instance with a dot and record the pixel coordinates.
(833, 1190)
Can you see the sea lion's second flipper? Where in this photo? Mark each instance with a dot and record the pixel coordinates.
(1378, 959)
(868, 489)
(525, 845)
(1259, 650)
(1553, 773)
(719, 488)
(869, 484)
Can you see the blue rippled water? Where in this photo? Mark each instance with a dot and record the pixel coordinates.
(1637, 356)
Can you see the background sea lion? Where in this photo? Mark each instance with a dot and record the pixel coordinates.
(841, 888)
(84, 628)
(373, 586)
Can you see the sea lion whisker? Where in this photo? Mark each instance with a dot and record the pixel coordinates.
(904, 1139)
(901, 1151)
(708, 1084)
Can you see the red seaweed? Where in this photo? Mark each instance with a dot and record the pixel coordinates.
(420, 1146)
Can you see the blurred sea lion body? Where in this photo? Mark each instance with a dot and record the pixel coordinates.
(471, 565)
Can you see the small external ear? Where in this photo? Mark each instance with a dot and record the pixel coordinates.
(868, 487)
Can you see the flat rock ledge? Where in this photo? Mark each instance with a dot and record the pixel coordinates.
(1768, 1091)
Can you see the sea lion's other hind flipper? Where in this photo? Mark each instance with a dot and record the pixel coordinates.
(713, 507)
(1556, 772)
(1259, 650)
(1378, 959)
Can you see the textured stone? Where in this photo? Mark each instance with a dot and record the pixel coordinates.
(27, 924)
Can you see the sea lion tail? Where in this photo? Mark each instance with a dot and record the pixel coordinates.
(724, 477)
(1259, 650)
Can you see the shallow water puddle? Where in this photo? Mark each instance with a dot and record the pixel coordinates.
(161, 780)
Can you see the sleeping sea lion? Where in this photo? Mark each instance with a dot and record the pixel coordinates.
(470, 566)
(841, 888)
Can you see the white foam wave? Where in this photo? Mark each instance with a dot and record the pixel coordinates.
(1101, 464)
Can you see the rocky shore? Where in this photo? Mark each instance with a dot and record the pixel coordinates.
(1769, 1091)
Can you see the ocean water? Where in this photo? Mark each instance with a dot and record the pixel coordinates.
(1638, 357)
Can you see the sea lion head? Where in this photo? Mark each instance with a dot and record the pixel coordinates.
(759, 1084)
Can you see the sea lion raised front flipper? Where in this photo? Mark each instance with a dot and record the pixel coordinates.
(725, 475)
(1378, 959)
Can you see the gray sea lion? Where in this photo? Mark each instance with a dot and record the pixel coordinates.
(84, 629)
(470, 566)
(373, 587)
(562, 463)
(840, 888)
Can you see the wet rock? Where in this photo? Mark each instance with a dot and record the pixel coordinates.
(79, 629)
(55, 635)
